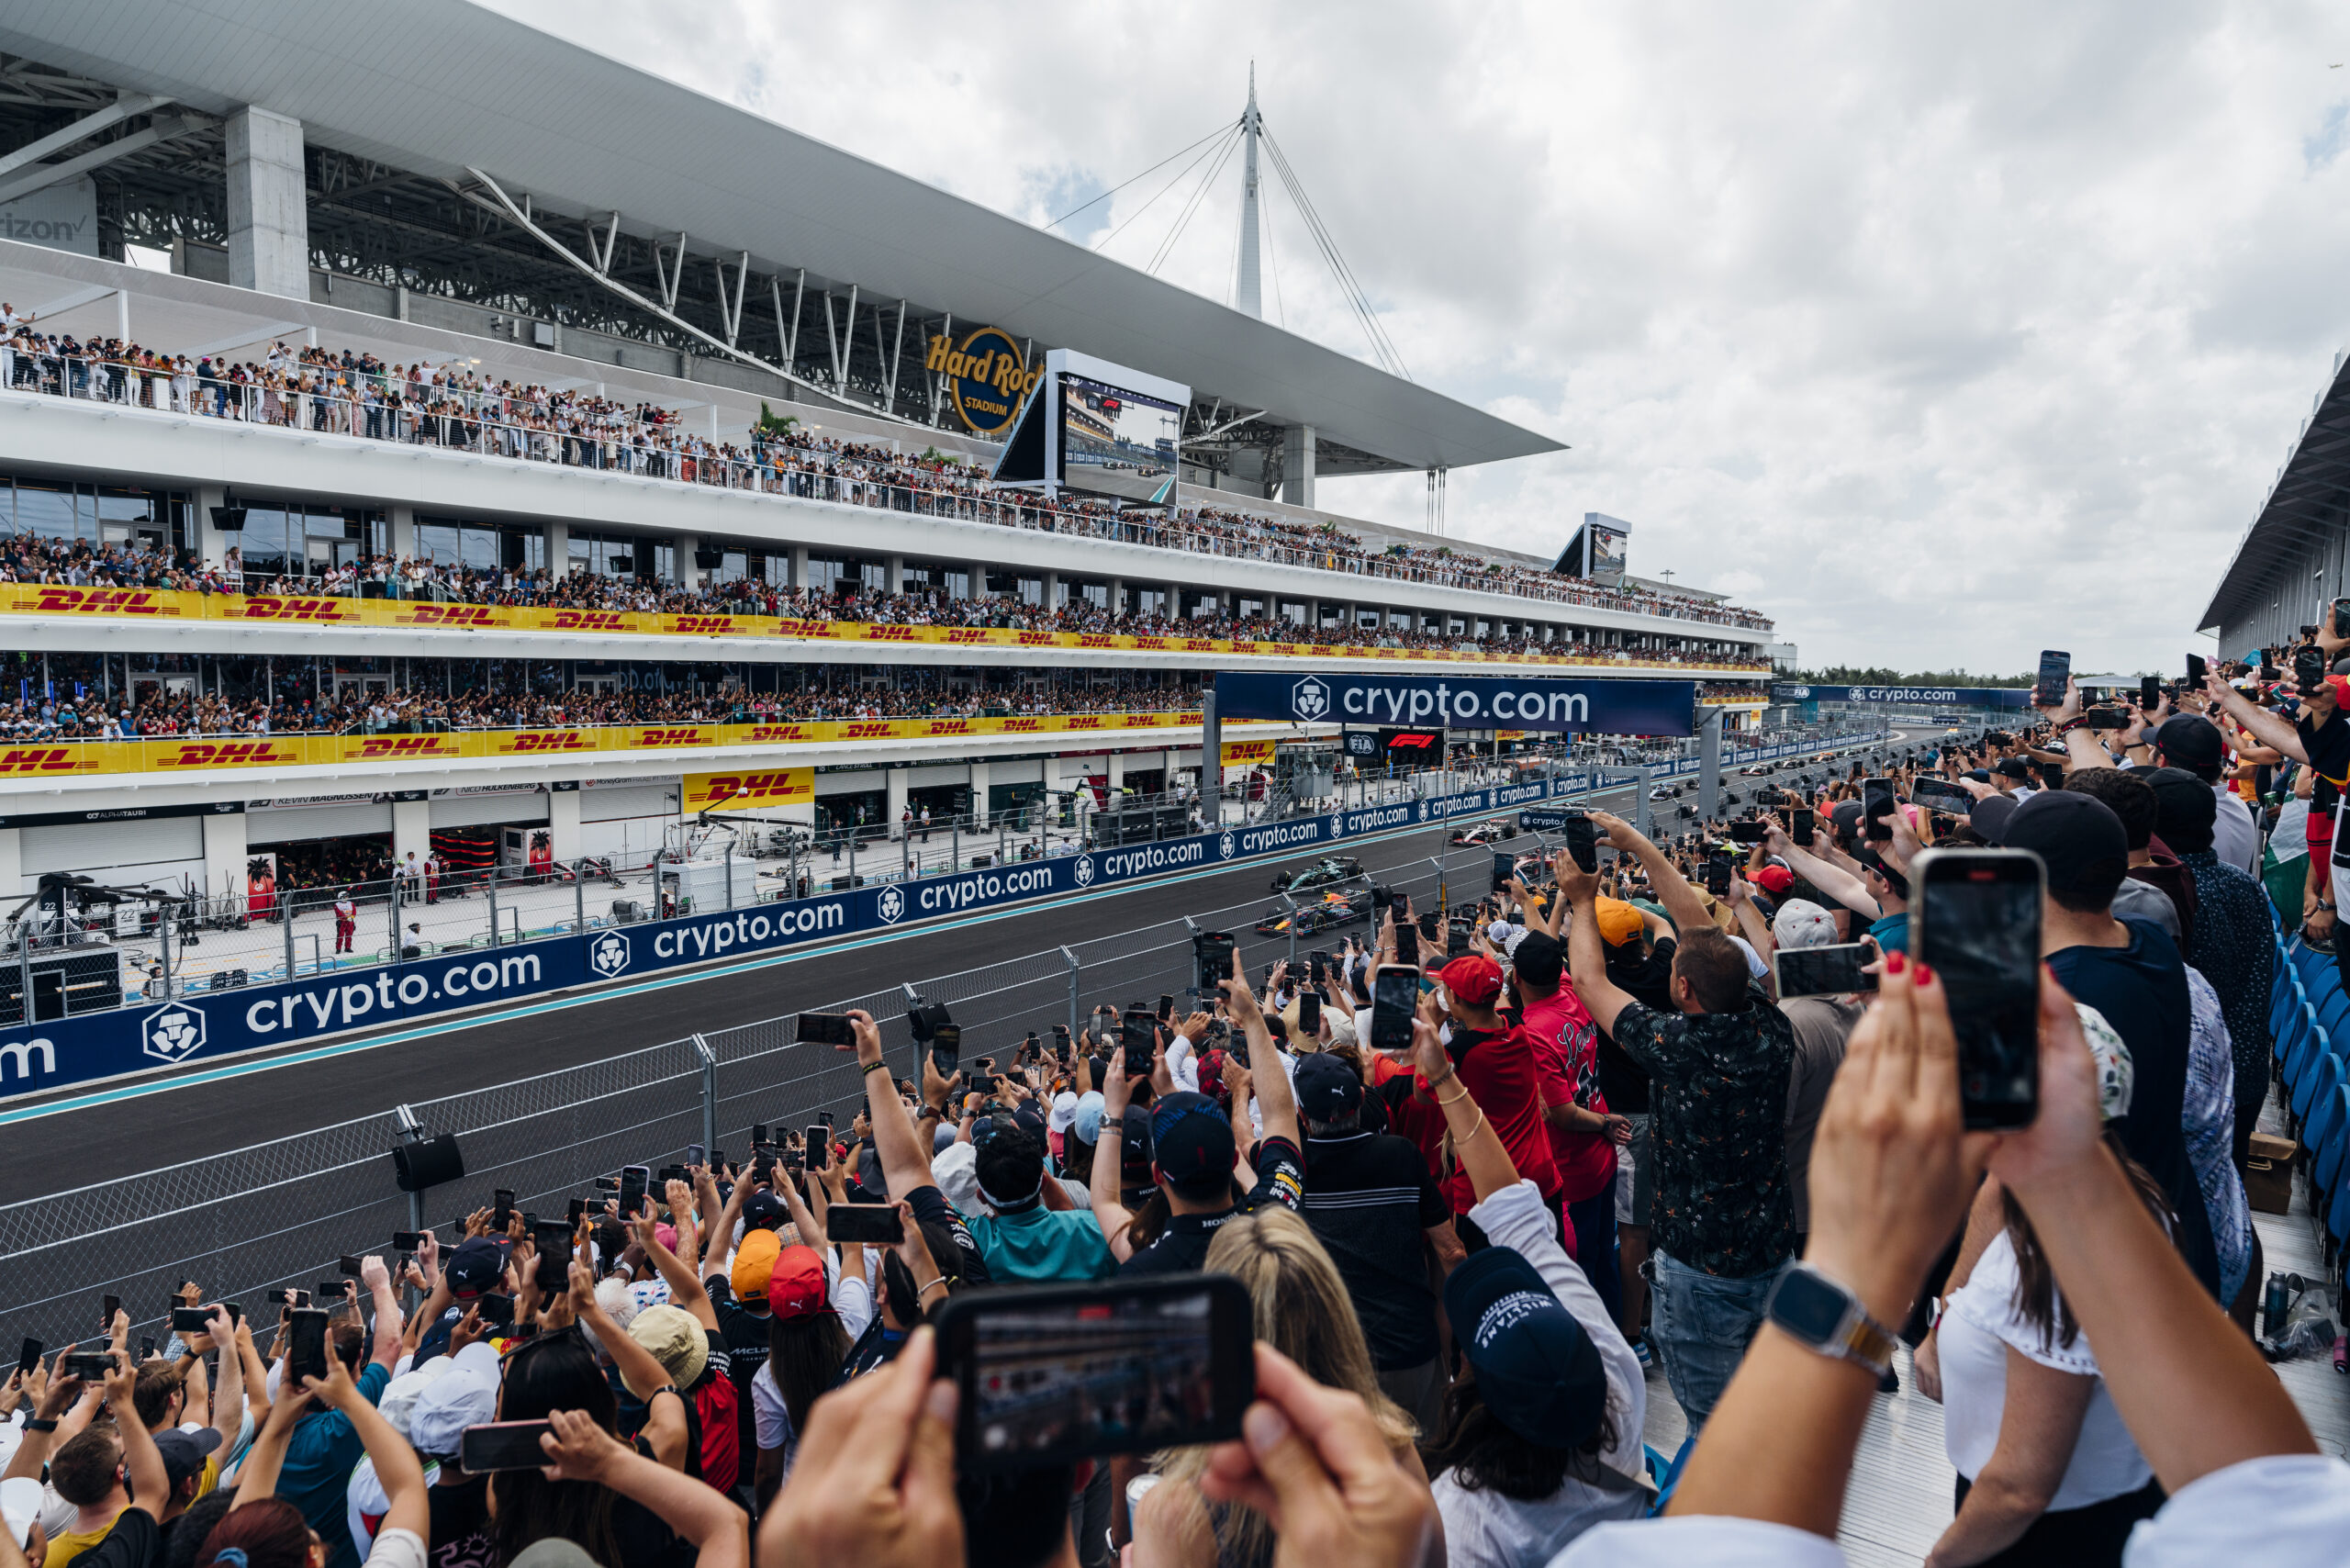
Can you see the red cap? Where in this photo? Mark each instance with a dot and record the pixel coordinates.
(1774, 879)
(795, 1287)
(1473, 978)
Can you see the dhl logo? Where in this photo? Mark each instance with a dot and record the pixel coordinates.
(704, 625)
(1156, 643)
(299, 610)
(36, 759)
(590, 620)
(672, 737)
(889, 635)
(725, 787)
(967, 634)
(1085, 722)
(97, 601)
(1096, 639)
(1244, 647)
(227, 754)
(868, 732)
(950, 727)
(1039, 639)
(1021, 726)
(553, 740)
(807, 628)
(770, 733)
(1190, 718)
(400, 748)
(1198, 644)
(453, 615)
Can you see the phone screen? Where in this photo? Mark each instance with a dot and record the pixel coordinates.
(1748, 833)
(1822, 971)
(826, 1029)
(632, 1183)
(1935, 795)
(1407, 944)
(818, 1154)
(502, 1445)
(1718, 872)
(2150, 692)
(305, 1350)
(1309, 1013)
(1977, 924)
(1799, 827)
(29, 1355)
(1050, 1376)
(2194, 668)
(2048, 689)
(108, 1307)
(2340, 618)
(1505, 868)
(1394, 997)
(1582, 841)
(874, 1225)
(1877, 805)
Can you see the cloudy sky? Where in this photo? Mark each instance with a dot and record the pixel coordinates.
(1940, 332)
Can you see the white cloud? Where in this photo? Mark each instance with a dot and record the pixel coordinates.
(1941, 333)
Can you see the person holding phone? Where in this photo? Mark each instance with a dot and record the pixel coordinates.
(113, 1473)
(325, 1446)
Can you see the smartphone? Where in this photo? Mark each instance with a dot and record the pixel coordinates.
(28, 1355)
(2308, 667)
(1582, 840)
(306, 1345)
(1876, 806)
(2338, 618)
(1975, 918)
(1055, 1374)
(147, 1346)
(108, 1307)
(1139, 1032)
(1718, 872)
(946, 1048)
(826, 1029)
(1427, 925)
(1799, 827)
(633, 1180)
(554, 1271)
(332, 1291)
(286, 1297)
(347, 1264)
(407, 1240)
(1748, 833)
(1060, 1031)
(501, 1213)
(873, 1224)
(1505, 868)
(2195, 670)
(502, 1445)
(90, 1366)
(695, 1155)
(2110, 718)
(1822, 971)
(1938, 795)
(1395, 998)
(1407, 944)
(984, 1086)
(1309, 1013)
(2052, 775)
(758, 1134)
(1317, 966)
(495, 1310)
(817, 1153)
(2150, 692)
(1165, 1005)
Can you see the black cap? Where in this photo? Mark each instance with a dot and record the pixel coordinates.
(2186, 811)
(2077, 837)
(1537, 1370)
(765, 1211)
(1990, 816)
(1538, 958)
(2014, 767)
(1326, 1087)
(2190, 740)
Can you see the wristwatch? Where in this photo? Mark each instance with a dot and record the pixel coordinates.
(1824, 1315)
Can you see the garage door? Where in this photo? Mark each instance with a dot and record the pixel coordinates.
(121, 854)
(285, 824)
(476, 810)
(627, 800)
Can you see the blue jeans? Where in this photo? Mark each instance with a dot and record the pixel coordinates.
(1702, 1324)
(1595, 1222)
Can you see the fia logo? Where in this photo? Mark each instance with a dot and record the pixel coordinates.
(607, 954)
(890, 906)
(173, 1033)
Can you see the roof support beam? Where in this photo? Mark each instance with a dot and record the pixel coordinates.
(121, 110)
(788, 333)
(669, 277)
(40, 176)
(731, 310)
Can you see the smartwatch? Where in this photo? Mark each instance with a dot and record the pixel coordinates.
(1824, 1315)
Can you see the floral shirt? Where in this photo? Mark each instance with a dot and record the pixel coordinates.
(2211, 1124)
(2236, 952)
(1717, 1101)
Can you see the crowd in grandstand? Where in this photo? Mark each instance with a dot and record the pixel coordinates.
(457, 406)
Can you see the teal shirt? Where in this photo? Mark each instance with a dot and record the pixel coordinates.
(1892, 932)
(1042, 1244)
(320, 1458)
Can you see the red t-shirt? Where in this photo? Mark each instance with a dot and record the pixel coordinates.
(1500, 1071)
(1566, 1053)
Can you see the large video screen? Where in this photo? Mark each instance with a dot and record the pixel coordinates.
(1114, 439)
(1607, 551)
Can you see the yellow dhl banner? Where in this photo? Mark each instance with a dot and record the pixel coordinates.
(1237, 752)
(749, 788)
(43, 599)
(212, 753)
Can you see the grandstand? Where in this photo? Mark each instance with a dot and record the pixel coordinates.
(2292, 557)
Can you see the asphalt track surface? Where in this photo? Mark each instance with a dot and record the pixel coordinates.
(145, 1125)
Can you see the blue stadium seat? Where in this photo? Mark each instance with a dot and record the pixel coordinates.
(2323, 987)
(2325, 1169)
(2324, 1123)
(2333, 1014)
(2337, 1215)
(2319, 1082)
(2293, 1043)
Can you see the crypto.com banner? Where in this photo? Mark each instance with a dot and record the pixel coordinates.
(1475, 703)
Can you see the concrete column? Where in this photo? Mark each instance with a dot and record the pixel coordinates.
(1052, 591)
(562, 825)
(1174, 611)
(978, 785)
(896, 804)
(688, 574)
(211, 544)
(1117, 596)
(979, 574)
(1115, 767)
(893, 578)
(558, 547)
(1297, 464)
(224, 853)
(269, 214)
(12, 863)
(411, 829)
(799, 565)
(403, 522)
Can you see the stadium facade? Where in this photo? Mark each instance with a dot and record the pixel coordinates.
(2295, 555)
(715, 370)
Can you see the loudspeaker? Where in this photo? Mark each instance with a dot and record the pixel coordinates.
(709, 559)
(428, 1164)
(228, 520)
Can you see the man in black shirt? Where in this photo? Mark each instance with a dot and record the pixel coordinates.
(1371, 1202)
(1639, 951)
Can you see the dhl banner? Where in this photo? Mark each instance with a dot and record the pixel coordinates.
(1238, 751)
(212, 753)
(750, 789)
(45, 599)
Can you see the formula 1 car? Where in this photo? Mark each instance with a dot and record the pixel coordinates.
(1331, 909)
(1492, 830)
(1322, 873)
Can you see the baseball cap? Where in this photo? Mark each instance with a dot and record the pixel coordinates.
(2077, 837)
(1774, 879)
(754, 1258)
(1190, 1141)
(1473, 977)
(1990, 814)
(1137, 1149)
(1085, 1116)
(1846, 816)
(185, 1451)
(796, 1284)
(2190, 740)
(765, 1211)
(1064, 1111)
(20, 1502)
(1619, 922)
(1803, 924)
(2186, 811)
(956, 1172)
(1326, 1088)
(476, 1266)
(673, 1337)
(1537, 1370)
(465, 1395)
(1538, 958)
(1499, 933)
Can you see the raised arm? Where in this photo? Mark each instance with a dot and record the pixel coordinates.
(2269, 729)
(143, 1461)
(1475, 1143)
(1586, 954)
(397, 1469)
(1673, 889)
(1276, 1096)
(1829, 877)
(1115, 1218)
(905, 1162)
(229, 1397)
(685, 1283)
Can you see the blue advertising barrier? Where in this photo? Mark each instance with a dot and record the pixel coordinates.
(215, 1024)
(1464, 702)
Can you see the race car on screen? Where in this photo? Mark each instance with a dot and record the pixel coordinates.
(1331, 909)
(1492, 830)
(1320, 874)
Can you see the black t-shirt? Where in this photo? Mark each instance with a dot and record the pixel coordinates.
(931, 1207)
(745, 1334)
(1367, 1197)
(462, 1533)
(1623, 1083)
(134, 1542)
(2328, 746)
(1182, 1247)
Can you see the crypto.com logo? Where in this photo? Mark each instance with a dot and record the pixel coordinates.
(890, 906)
(1310, 698)
(607, 954)
(173, 1033)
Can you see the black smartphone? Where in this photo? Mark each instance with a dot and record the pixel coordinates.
(1582, 840)
(1822, 971)
(2048, 688)
(695, 1155)
(554, 1271)
(408, 1241)
(28, 1355)
(495, 1310)
(2052, 775)
(1799, 827)
(872, 1225)
(984, 1086)
(2195, 670)
(2309, 668)
(1427, 925)
(1939, 795)
(1055, 1374)
(1748, 833)
(306, 1345)
(758, 1134)
(1505, 868)
(826, 1029)
(1876, 807)
(946, 1048)
(1407, 944)
(1061, 1036)
(1309, 1013)
(2109, 718)
(1395, 998)
(1719, 866)
(501, 1213)
(108, 1307)
(332, 1291)
(817, 1153)
(349, 1264)
(283, 1297)
(2150, 692)
(1975, 919)
(90, 1366)
(1139, 1032)
(502, 1445)
(1166, 1006)
(146, 1347)
(634, 1181)
(2338, 618)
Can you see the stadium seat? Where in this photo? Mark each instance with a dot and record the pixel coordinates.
(2325, 1168)
(2295, 1046)
(2322, 1080)
(2333, 1014)
(2323, 1125)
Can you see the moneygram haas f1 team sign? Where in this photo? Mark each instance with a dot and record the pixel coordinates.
(1598, 706)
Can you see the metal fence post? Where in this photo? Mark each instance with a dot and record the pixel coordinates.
(1640, 819)
(394, 888)
(286, 922)
(1292, 926)
(25, 965)
(1074, 968)
(492, 884)
(579, 899)
(708, 1094)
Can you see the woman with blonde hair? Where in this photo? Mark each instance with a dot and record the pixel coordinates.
(1302, 1309)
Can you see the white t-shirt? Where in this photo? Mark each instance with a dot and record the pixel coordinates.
(1978, 1329)
(1485, 1529)
(2235, 837)
(852, 1297)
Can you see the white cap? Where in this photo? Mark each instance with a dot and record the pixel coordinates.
(1498, 933)
(20, 1501)
(1064, 1111)
(1803, 924)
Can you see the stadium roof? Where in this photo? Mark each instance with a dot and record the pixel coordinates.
(438, 86)
(2310, 502)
